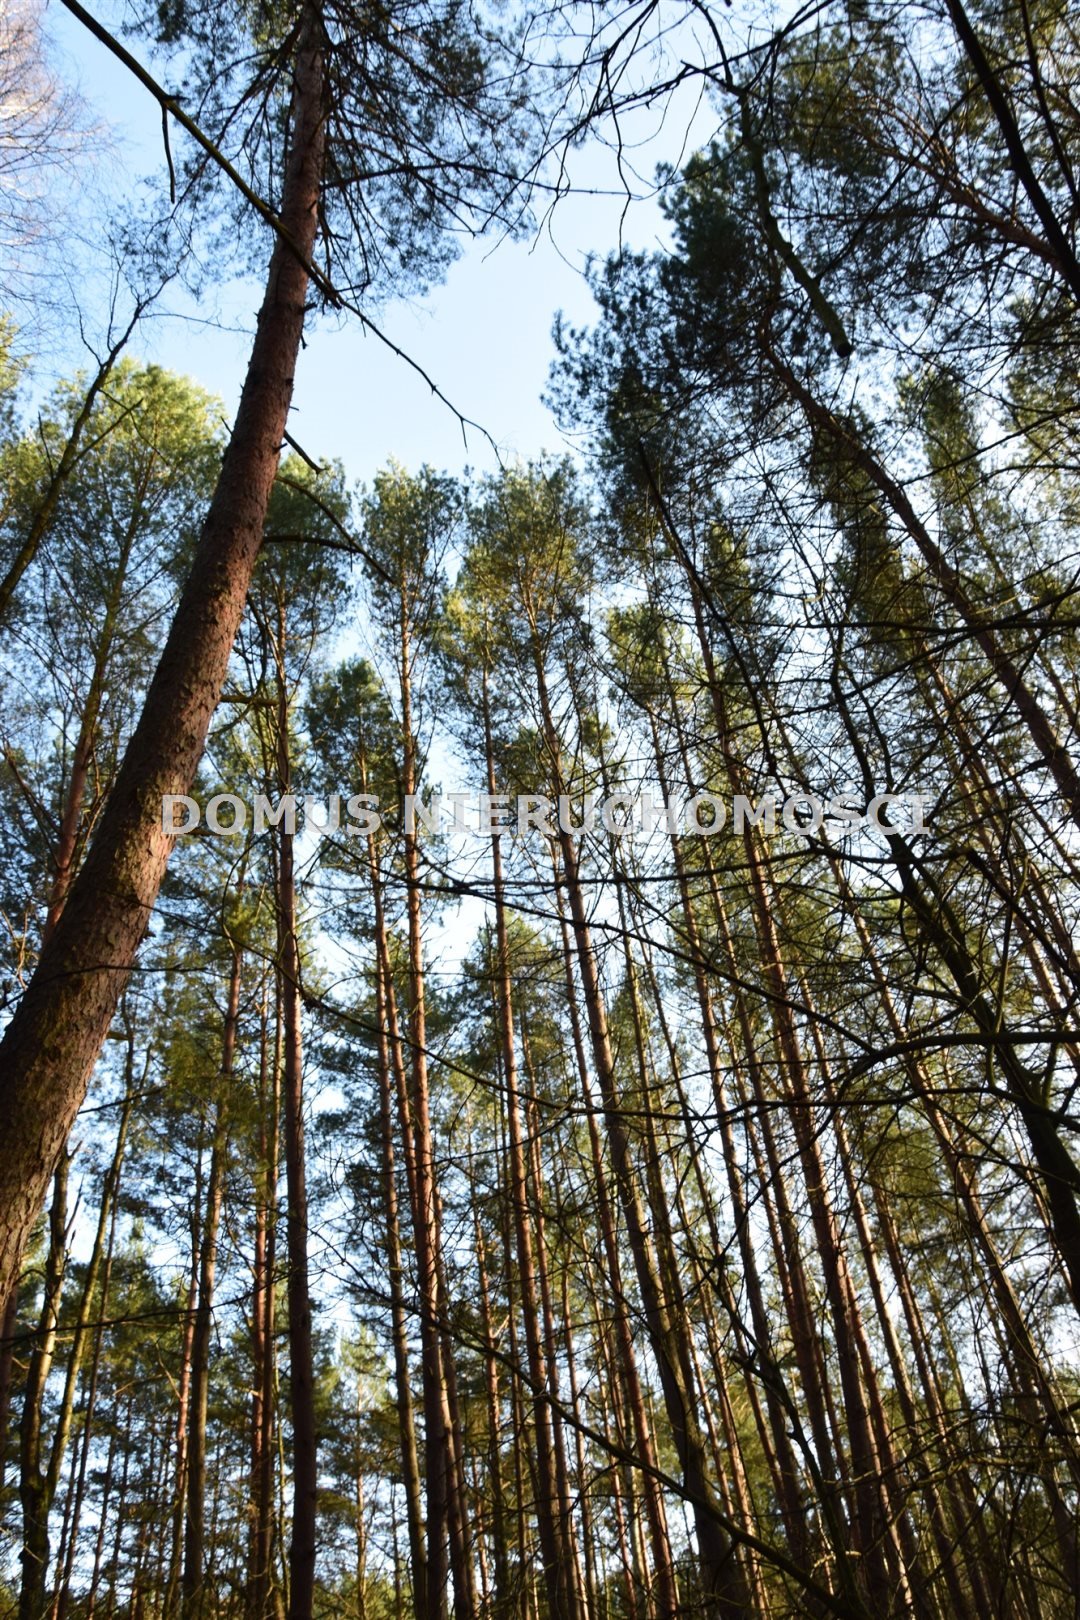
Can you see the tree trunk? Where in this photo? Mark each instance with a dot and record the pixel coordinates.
(500, 1604)
(722, 1579)
(302, 1545)
(54, 1038)
(665, 1595)
(171, 1593)
(65, 466)
(445, 1506)
(1039, 726)
(260, 1540)
(195, 1603)
(555, 1537)
(410, 1463)
(32, 1484)
(63, 1590)
(102, 1246)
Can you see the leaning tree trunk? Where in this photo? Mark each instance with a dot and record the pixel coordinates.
(57, 1031)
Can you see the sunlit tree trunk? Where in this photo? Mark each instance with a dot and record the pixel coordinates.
(302, 1544)
(56, 1033)
(555, 1532)
(98, 1270)
(500, 1603)
(388, 1044)
(665, 1589)
(195, 1598)
(721, 1575)
(263, 1308)
(34, 1556)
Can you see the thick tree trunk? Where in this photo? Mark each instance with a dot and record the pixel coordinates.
(54, 1038)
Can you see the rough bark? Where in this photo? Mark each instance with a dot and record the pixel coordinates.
(56, 1033)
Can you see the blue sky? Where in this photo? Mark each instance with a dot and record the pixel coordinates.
(484, 335)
